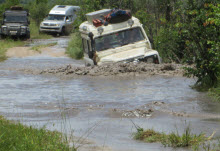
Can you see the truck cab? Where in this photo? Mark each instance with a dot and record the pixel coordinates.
(125, 41)
(59, 20)
(15, 23)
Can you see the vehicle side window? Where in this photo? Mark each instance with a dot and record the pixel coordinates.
(68, 19)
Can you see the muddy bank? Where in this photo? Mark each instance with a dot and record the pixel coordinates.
(123, 69)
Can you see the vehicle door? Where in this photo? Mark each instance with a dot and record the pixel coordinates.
(69, 23)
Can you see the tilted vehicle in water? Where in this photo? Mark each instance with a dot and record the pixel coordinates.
(60, 20)
(124, 41)
(15, 23)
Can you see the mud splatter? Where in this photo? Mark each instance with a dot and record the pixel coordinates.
(122, 69)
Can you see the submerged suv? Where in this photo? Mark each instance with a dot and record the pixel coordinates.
(123, 41)
(15, 23)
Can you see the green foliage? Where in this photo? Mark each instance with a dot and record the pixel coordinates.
(149, 135)
(74, 49)
(15, 136)
(169, 44)
(39, 10)
(171, 140)
(215, 92)
(34, 30)
(7, 4)
(202, 27)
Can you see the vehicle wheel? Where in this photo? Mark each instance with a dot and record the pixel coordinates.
(40, 32)
(28, 36)
(62, 31)
(2, 36)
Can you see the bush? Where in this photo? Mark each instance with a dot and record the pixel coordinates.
(34, 30)
(171, 140)
(74, 49)
(202, 27)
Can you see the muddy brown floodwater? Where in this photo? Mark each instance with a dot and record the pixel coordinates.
(98, 105)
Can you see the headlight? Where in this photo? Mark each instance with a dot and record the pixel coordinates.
(57, 25)
(4, 28)
(150, 60)
(41, 24)
(22, 29)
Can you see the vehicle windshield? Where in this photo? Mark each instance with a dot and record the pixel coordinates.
(56, 17)
(119, 39)
(15, 19)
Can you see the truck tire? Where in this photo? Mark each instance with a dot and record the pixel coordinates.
(2, 36)
(62, 31)
(28, 36)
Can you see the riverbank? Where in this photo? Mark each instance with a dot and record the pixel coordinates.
(15, 136)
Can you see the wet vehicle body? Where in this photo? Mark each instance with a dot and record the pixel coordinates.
(120, 42)
(60, 20)
(15, 23)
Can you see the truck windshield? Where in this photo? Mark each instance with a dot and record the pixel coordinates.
(56, 17)
(15, 19)
(119, 39)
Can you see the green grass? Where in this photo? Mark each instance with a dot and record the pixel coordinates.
(207, 146)
(34, 30)
(172, 140)
(6, 44)
(15, 136)
(38, 47)
(215, 92)
(74, 49)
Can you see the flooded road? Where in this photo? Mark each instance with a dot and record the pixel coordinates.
(101, 110)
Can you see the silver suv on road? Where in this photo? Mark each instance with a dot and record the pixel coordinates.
(60, 20)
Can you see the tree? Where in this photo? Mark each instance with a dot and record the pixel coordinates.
(202, 27)
(39, 10)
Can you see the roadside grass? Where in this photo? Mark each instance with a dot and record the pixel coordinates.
(187, 139)
(74, 49)
(15, 136)
(215, 92)
(207, 146)
(6, 44)
(34, 30)
(38, 47)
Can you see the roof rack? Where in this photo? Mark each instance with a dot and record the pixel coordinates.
(16, 8)
(61, 6)
(97, 15)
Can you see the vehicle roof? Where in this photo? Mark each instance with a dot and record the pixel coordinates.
(16, 12)
(109, 28)
(64, 9)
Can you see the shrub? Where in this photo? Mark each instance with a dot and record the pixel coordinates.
(74, 49)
